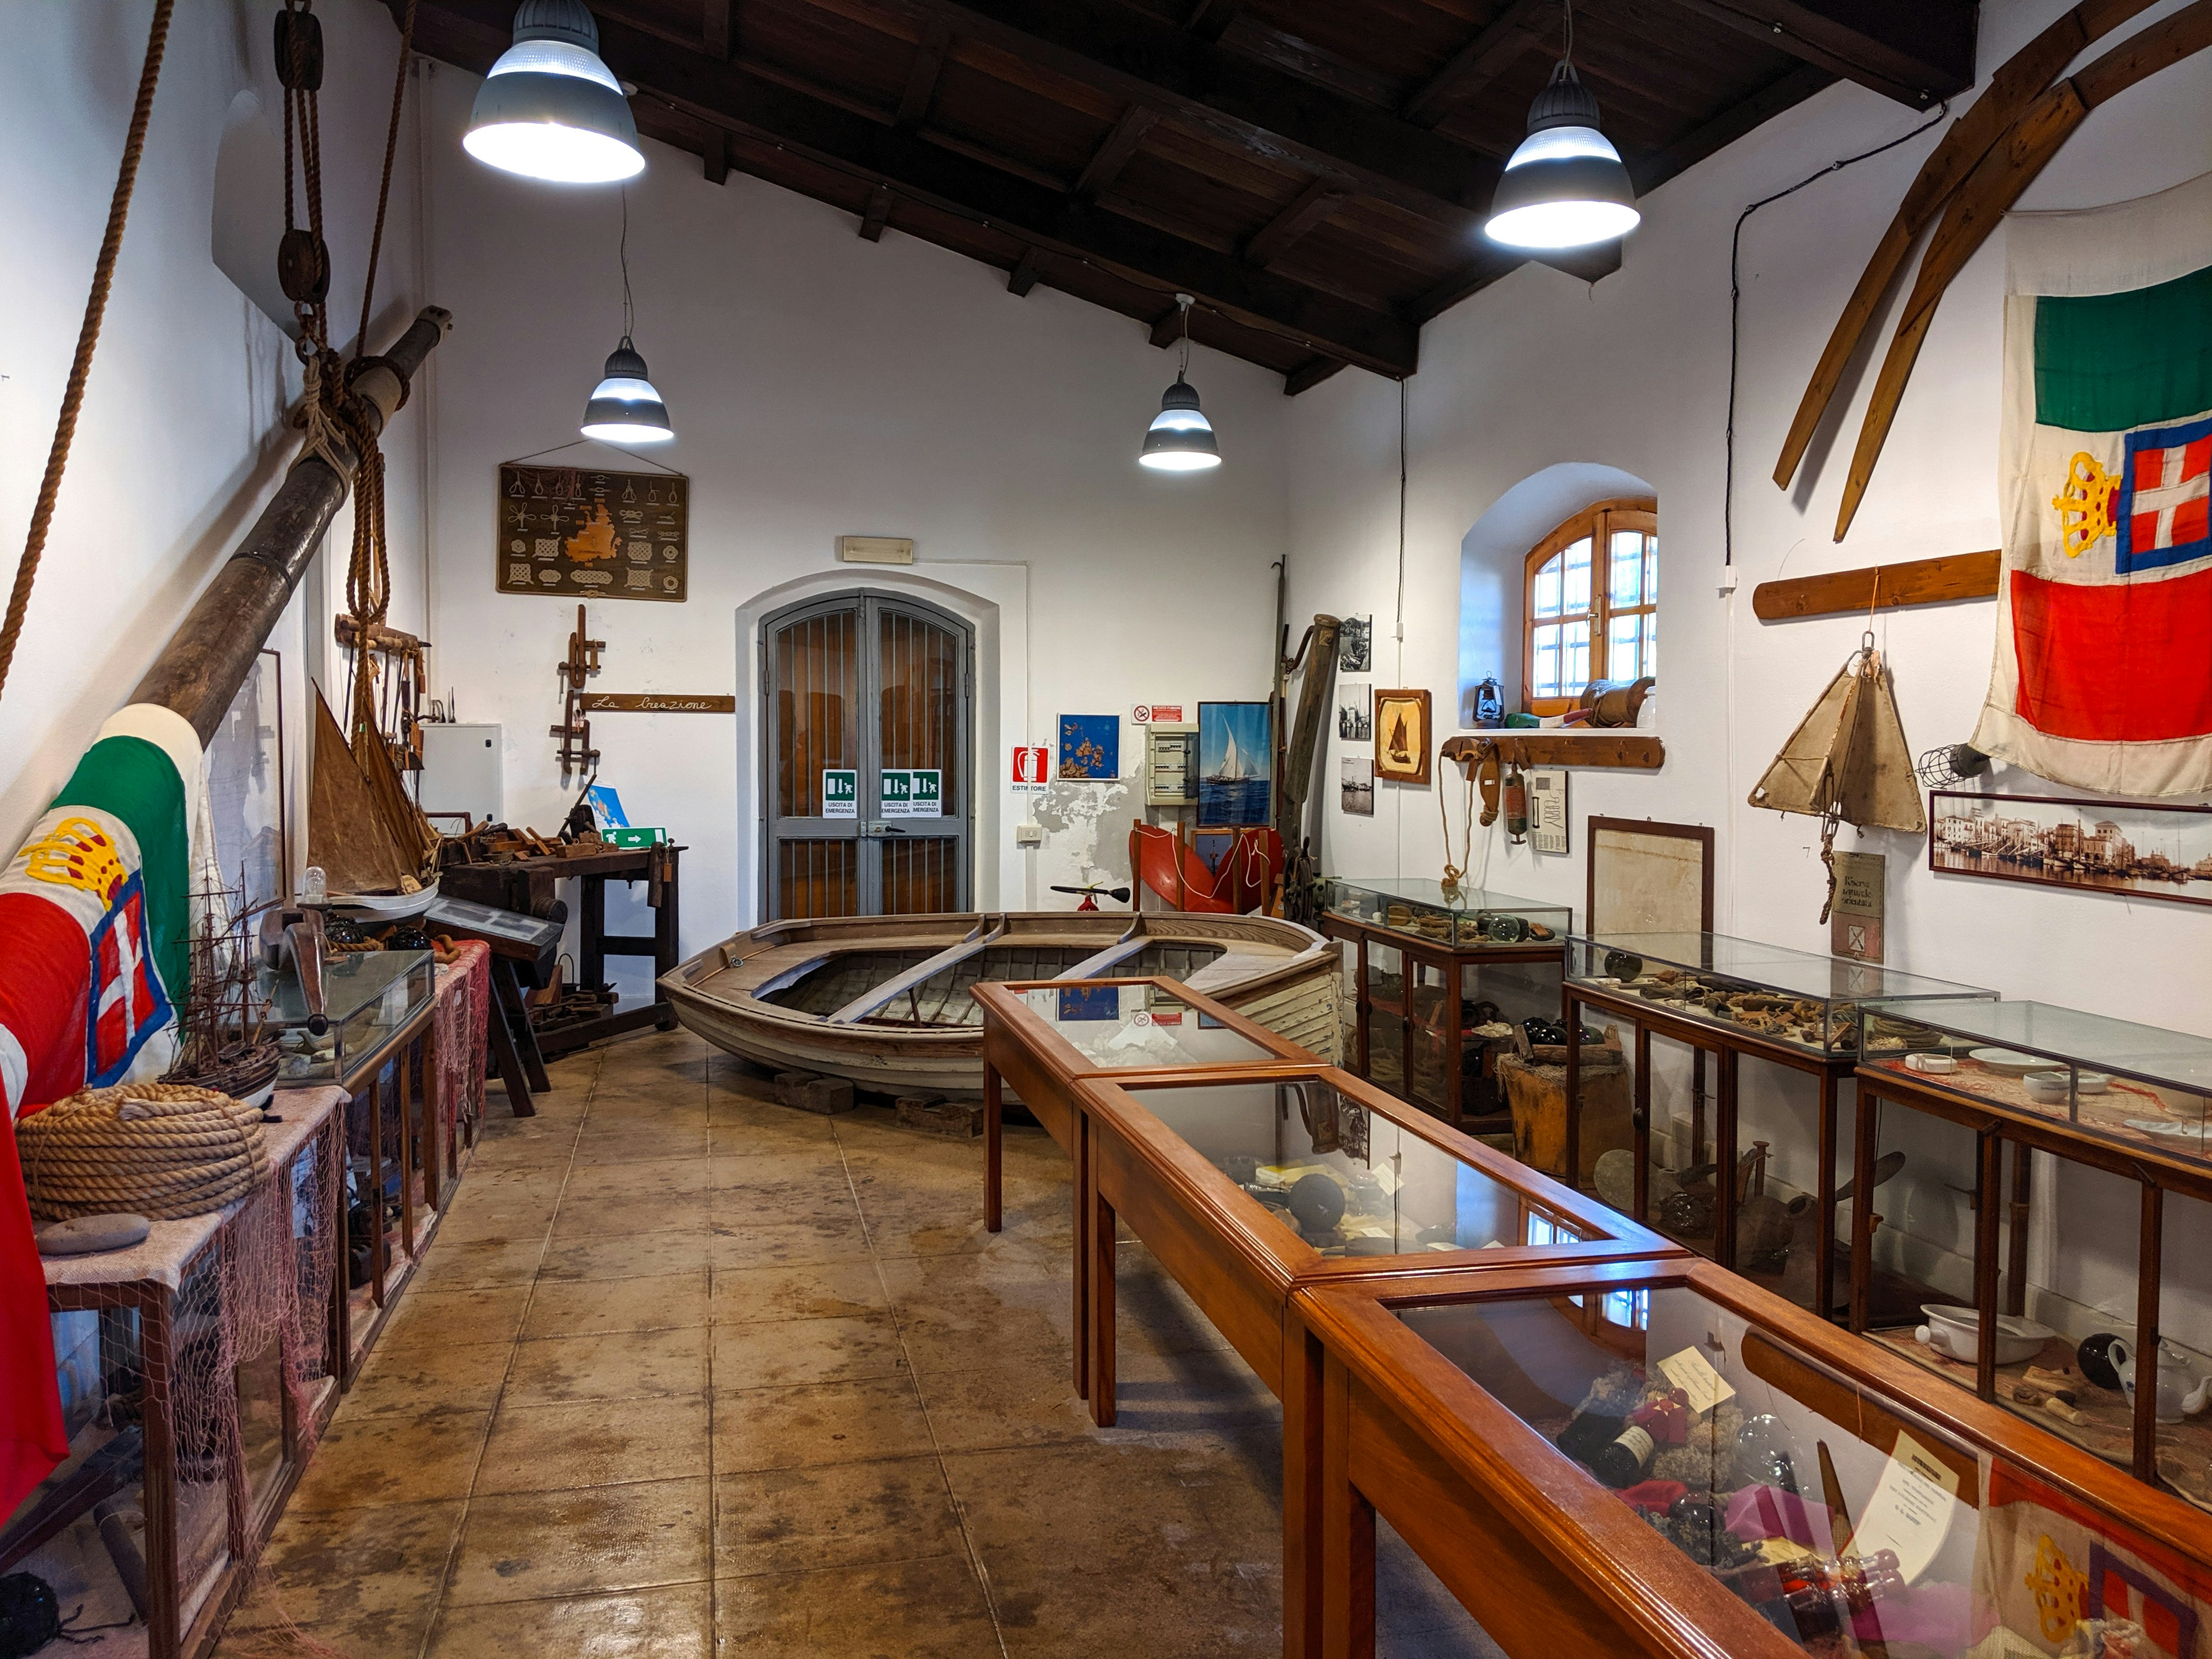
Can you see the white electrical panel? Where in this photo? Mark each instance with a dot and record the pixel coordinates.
(1171, 766)
(461, 771)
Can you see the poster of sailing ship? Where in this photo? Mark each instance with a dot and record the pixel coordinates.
(1236, 764)
(2145, 851)
(1401, 736)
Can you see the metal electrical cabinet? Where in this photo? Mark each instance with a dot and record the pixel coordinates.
(462, 770)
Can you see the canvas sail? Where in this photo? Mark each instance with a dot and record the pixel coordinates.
(346, 831)
(1848, 758)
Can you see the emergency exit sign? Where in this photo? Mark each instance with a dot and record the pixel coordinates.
(911, 793)
(841, 793)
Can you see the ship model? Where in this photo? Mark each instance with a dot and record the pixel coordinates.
(222, 1022)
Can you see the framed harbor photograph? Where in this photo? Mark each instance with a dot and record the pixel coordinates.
(1357, 787)
(1355, 711)
(1236, 764)
(2135, 848)
(1401, 737)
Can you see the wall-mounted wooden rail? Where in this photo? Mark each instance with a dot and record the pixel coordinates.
(1639, 750)
(1879, 588)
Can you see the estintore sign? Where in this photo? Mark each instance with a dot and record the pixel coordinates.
(1031, 765)
(840, 792)
(577, 533)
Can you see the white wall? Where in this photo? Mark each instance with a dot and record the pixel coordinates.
(1632, 373)
(182, 437)
(822, 385)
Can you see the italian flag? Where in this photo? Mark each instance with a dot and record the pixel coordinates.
(2103, 671)
(94, 948)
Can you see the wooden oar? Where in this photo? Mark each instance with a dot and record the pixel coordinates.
(1994, 185)
(2012, 90)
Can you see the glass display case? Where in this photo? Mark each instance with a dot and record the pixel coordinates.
(367, 997)
(1792, 998)
(1135, 1025)
(1707, 1470)
(1464, 918)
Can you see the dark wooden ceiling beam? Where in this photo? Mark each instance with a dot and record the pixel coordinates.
(1313, 206)
(718, 27)
(1024, 276)
(471, 32)
(1480, 62)
(1309, 374)
(1114, 152)
(921, 77)
(1913, 51)
(1210, 19)
(876, 215)
(1792, 87)
(1167, 327)
(714, 156)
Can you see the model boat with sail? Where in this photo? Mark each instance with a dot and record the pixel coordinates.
(884, 999)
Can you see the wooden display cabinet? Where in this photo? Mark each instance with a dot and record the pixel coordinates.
(1865, 1512)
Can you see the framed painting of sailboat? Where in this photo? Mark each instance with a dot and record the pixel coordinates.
(1236, 764)
(1401, 737)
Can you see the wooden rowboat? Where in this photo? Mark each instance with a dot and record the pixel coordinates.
(884, 999)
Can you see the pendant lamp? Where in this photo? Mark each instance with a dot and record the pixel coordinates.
(625, 408)
(549, 109)
(1180, 437)
(1564, 187)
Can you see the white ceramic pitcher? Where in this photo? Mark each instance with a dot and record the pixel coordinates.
(2176, 1398)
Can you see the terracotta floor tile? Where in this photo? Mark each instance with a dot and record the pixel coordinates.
(592, 1307)
(614, 1217)
(838, 1515)
(647, 1179)
(1007, 1400)
(674, 1622)
(626, 1255)
(469, 1264)
(832, 1290)
(926, 1609)
(349, 1565)
(421, 1381)
(564, 1370)
(820, 1423)
(592, 1539)
(391, 1459)
(547, 1448)
(789, 1352)
(429, 1318)
(631, 1143)
(789, 1243)
(506, 1210)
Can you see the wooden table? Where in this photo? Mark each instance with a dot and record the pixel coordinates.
(1240, 1264)
(1025, 1045)
(1550, 1562)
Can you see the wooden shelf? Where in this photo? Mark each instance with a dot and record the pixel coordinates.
(1583, 746)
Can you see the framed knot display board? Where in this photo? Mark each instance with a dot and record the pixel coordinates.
(580, 533)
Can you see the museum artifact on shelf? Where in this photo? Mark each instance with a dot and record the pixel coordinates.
(1661, 1459)
(2128, 1099)
(1733, 998)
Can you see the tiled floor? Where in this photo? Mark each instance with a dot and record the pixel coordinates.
(688, 1372)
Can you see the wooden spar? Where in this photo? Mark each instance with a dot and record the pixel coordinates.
(2012, 90)
(209, 655)
(1994, 185)
(1879, 588)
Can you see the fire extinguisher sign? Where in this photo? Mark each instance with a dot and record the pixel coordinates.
(1029, 767)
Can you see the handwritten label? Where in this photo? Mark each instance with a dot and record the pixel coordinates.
(654, 702)
(1911, 1509)
(1690, 1371)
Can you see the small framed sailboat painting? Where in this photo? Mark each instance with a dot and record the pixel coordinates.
(1401, 737)
(1236, 764)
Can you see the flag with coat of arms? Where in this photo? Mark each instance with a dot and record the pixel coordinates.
(2103, 671)
(94, 951)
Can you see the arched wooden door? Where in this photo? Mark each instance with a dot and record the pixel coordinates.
(868, 793)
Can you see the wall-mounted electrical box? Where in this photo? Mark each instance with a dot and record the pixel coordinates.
(462, 770)
(1171, 766)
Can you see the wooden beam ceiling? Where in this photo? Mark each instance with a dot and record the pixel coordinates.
(1501, 40)
(1913, 51)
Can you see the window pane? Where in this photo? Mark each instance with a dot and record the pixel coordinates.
(1651, 646)
(1547, 587)
(1622, 641)
(1574, 655)
(1627, 567)
(1650, 569)
(1544, 671)
(1576, 600)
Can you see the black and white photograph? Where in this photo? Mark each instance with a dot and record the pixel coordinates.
(1355, 645)
(1355, 711)
(1356, 794)
(2134, 847)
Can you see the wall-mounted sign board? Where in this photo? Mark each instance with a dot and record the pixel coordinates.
(575, 534)
(875, 550)
(653, 702)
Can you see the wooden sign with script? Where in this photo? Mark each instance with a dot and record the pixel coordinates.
(576, 533)
(654, 702)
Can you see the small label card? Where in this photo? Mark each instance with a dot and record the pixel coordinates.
(1911, 1509)
(1693, 1373)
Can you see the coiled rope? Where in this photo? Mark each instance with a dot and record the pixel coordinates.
(161, 1150)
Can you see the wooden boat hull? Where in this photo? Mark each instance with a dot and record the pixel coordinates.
(768, 995)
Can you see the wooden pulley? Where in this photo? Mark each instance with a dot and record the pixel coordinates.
(303, 265)
(1486, 781)
(299, 50)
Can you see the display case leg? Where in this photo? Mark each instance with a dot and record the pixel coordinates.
(1988, 1204)
(1824, 1225)
(1303, 1455)
(1863, 1109)
(1079, 1134)
(1102, 1297)
(1640, 1120)
(994, 1169)
(2023, 1179)
(1572, 1087)
(2149, 1268)
(1724, 1187)
(1347, 1529)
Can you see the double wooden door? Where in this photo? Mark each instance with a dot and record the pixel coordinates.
(869, 788)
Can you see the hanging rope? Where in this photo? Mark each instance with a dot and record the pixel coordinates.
(95, 308)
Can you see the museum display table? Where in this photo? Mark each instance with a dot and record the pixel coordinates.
(1733, 997)
(2129, 1099)
(1659, 1458)
(1422, 957)
(1042, 1037)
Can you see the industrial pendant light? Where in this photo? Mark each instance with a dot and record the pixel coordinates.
(624, 407)
(1181, 438)
(549, 109)
(1564, 187)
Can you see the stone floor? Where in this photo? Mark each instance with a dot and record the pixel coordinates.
(688, 1372)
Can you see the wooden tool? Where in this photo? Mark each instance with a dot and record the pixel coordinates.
(1879, 588)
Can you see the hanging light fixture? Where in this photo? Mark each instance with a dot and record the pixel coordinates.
(549, 109)
(1564, 187)
(1181, 438)
(624, 406)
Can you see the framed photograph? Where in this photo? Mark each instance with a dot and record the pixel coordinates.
(1355, 711)
(1089, 746)
(2144, 851)
(245, 787)
(1236, 764)
(1356, 794)
(575, 534)
(1402, 743)
(1355, 645)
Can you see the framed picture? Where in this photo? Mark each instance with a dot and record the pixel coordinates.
(1356, 794)
(1401, 737)
(1646, 877)
(246, 788)
(1236, 764)
(1355, 645)
(575, 534)
(1355, 711)
(2144, 851)
(1089, 746)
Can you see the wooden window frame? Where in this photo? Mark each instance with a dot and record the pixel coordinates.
(1597, 522)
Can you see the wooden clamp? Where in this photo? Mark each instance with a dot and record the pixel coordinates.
(1637, 750)
(1880, 588)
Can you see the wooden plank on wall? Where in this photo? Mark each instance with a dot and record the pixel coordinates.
(1879, 588)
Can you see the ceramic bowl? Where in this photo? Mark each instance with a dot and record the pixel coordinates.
(2047, 1087)
(1935, 1065)
(1954, 1330)
(2091, 1083)
(2008, 1062)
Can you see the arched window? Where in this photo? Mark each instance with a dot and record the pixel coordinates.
(1591, 607)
